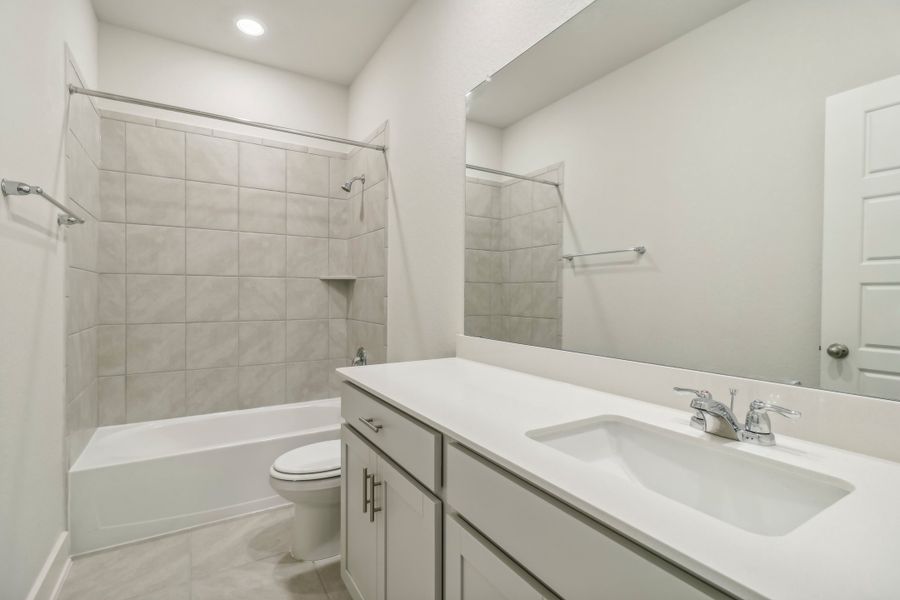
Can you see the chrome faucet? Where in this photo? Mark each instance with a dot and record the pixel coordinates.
(718, 419)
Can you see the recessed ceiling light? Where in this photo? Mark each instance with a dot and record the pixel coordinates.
(250, 27)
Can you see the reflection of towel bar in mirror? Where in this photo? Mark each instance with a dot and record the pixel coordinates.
(637, 249)
(513, 175)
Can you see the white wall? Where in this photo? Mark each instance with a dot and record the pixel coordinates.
(32, 262)
(710, 152)
(145, 66)
(484, 146)
(418, 80)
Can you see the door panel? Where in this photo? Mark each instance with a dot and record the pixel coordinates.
(409, 537)
(475, 570)
(359, 543)
(861, 248)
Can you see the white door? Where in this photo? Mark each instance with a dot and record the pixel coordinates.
(475, 570)
(409, 532)
(861, 245)
(359, 543)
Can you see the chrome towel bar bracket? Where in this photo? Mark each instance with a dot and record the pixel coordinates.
(17, 188)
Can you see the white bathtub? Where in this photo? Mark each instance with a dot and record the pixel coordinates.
(144, 479)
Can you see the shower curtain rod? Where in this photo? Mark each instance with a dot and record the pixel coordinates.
(74, 89)
(513, 175)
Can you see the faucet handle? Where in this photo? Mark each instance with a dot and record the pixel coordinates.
(760, 406)
(758, 427)
(702, 394)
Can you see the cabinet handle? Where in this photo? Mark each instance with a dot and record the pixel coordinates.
(370, 423)
(372, 510)
(365, 483)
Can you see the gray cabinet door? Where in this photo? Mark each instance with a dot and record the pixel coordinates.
(359, 535)
(475, 570)
(409, 532)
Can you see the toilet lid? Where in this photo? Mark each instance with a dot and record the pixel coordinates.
(319, 458)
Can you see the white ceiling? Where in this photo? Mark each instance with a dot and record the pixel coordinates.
(603, 37)
(327, 39)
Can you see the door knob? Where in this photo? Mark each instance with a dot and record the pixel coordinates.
(837, 351)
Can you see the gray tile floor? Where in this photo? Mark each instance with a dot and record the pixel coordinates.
(246, 557)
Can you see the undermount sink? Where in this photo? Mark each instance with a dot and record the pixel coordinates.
(758, 495)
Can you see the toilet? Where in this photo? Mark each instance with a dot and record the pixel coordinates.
(310, 478)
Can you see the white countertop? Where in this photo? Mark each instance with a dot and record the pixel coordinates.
(849, 551)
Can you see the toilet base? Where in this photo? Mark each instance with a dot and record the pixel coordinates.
(316, 526)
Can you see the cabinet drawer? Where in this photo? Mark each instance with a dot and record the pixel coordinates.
(576, 557)
(412, 445)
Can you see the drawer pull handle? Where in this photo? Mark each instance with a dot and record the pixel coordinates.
(370, 423)
(372, 510)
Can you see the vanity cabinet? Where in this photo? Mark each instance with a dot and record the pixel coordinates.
(391, 524)
(425, 517)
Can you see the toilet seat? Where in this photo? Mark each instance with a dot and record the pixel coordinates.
(314, 462)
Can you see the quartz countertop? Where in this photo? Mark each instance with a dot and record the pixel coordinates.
(848, 551)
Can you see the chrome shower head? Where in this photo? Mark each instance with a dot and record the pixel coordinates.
(349, 183)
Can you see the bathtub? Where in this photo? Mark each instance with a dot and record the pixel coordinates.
(144, 479)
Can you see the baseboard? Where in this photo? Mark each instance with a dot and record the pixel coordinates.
(54, 571)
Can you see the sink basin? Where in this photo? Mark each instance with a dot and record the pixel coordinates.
(758, 495)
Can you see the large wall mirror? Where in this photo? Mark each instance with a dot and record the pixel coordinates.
(706, 184)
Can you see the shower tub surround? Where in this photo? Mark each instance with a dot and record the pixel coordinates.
(212, 250)
(83, 196)
(513, 238)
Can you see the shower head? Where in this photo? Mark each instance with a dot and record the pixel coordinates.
(349, 183)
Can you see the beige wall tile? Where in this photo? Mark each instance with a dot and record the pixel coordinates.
(337, 338)
(154, 151)
(211, 252)
(157, 347)
(211, 206)
(154, 200)
(261, 385)
(262, 211)
(112, 150)
(212, 299)
(212, 390)
(261, 298)
(212, 159)
(307, 215)
(262, 255)
(111, 400)
(262, 167)
(111, 299)
(111, 248)
(212, 345)
(307, 256)
(155, 250)
(307, 340)
(150, 396)
(111, 350)
(155, 298)
(82, 289)
(308, 381)
(112, 196)
(307, 298)
(307, 174)
(262, 342)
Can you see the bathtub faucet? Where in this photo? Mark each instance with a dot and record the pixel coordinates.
(361, 358)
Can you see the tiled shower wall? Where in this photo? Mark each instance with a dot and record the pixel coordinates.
(212, 249)
(82, 160)
(513, 246)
